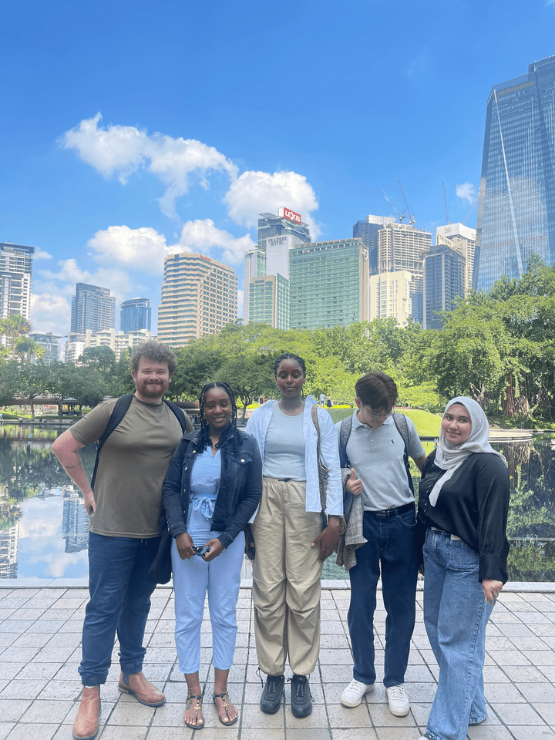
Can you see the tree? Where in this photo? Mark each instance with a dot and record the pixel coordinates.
(13, 327)
(102, 358)
(250, 376)
(33, 381)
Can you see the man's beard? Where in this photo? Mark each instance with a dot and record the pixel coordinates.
(153, 390)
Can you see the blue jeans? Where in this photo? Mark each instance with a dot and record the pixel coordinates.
(391, 544)
(192, 579)
(120, 593)
(455, 615)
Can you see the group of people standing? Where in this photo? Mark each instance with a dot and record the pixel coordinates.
(288, 480)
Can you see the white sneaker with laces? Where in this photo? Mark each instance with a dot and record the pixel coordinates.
(398, 700)
(353, 693)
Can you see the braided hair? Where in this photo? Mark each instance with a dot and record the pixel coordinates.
(204, 436)
(289, 356)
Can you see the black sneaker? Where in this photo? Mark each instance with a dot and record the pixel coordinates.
(270, 701)
(301, 698)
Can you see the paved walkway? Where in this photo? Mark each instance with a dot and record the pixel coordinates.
(40, 634)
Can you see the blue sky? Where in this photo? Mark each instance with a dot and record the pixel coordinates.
(131, 129)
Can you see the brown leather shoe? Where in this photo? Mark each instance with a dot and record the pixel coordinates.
(143, 691)
(86, 722)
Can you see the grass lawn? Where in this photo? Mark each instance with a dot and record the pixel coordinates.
(427, 425)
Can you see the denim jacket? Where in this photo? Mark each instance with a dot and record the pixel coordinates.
(240, 485)
(258, 425)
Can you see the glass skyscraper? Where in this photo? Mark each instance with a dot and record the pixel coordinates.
(135, 315)
(516, 213)
(92, 307)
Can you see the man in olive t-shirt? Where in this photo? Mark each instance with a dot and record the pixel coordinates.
(124, 532)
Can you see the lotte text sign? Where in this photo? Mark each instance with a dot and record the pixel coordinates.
(292, 216)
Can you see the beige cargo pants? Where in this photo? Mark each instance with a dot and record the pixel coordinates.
(286, 579)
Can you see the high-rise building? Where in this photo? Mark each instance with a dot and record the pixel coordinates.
(50, 344)
(118, 342)
(444, 270)
(367, 230)
(92, 308)
(16, 268)
(402, 247)
(390, 296)
(199, 297)
(328, 284)
(516, 208)
(463, 239)
(277, 235)
(135, 315)
(269, 301)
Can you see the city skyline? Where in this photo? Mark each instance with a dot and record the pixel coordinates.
(165, 134)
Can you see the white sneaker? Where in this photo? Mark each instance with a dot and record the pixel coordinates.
(353, 693)
(398, 700)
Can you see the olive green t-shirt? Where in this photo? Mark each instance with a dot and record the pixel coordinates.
(132, 466)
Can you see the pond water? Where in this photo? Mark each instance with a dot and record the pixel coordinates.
(44, 525)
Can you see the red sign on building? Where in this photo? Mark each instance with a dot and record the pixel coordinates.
(292, 216)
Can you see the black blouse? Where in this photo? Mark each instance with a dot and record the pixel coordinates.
(472, 505)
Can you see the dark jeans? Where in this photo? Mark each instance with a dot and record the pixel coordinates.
(391, 544)
(119, 601)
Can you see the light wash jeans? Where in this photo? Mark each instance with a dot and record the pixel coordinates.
(191, 580)
(455, 615)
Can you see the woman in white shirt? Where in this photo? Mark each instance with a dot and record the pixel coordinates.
(290, 543)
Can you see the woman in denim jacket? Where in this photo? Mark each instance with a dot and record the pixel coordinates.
(290, 544)
(212, 488)
(463, 503)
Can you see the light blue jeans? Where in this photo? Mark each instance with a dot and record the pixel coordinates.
(192, 579)
(455, 615)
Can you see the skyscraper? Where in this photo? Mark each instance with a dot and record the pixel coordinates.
(463, 239)
(328, 284)
(277, 235)
(390, 296)
(92, 308)
(367, 230)
(135, 315)
(199, 297)
(444, 270)
(16, 267)
(402, 247)
(516, 211)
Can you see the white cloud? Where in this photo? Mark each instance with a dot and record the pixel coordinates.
(118, 281)
(204, 235)
(50, 312)
(122, 150)
(466, 192)
(140, 249)
(40, 254)
(260, 192)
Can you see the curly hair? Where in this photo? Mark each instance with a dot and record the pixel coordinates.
(204, 437)
(155, 352)
(289, 356)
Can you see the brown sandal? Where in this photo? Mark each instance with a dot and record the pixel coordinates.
(225, 705)
(197, 708)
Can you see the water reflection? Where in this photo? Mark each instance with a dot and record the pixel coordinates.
(44, 525)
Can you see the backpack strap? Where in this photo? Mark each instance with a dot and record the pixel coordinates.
(181, 418)
(344, 434)
(120, 409)
(400, 421)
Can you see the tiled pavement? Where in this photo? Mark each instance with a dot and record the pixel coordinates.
(40, 633)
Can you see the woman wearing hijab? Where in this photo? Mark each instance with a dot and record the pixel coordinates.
(463, 503)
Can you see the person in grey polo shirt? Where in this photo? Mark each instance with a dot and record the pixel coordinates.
(377, 452)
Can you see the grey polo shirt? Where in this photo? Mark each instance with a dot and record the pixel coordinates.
(376, 454)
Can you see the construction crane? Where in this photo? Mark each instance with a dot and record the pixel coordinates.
(400, 216)
(411, 215)
(445, 201)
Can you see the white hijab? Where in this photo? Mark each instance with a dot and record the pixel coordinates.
(450, 457)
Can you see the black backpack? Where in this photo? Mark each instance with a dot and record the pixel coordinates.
(120, 409)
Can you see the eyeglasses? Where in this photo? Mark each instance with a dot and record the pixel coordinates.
(381, 415)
